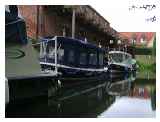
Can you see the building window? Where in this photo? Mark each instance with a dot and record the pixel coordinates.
(93, 58)
(71, 56)
(100, 59)
(83, 58)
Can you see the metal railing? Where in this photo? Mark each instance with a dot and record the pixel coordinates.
(43, 48)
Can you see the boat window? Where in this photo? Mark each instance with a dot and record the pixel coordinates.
(119, 57)
(100, 59)
(48, 49)
(43, 50)
(83, 58)
(60, 54)
(71, 56)
(93, 58)
(51, 52)
(127, 57)
(116, 57)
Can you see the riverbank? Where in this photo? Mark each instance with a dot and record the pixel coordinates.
(146, 63)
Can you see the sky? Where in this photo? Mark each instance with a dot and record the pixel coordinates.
(124, 19)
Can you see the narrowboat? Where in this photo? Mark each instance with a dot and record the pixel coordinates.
(23, 76)
(70, 57)
(120, 61)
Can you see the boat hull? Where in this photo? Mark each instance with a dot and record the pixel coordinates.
(75, 72)
(115, 68)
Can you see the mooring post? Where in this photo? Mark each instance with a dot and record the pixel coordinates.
(73, 21)
(56, 70)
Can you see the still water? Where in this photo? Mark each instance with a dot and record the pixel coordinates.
(119, 96)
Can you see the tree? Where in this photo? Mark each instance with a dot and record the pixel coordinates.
(154, 47)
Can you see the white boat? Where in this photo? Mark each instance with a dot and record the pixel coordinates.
(119, 61)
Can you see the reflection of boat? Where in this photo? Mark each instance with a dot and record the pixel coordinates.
(121, 86)
(81, 101)
(71, 57)
(87, 100)
(120, 61)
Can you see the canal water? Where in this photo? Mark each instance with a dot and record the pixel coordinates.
(118, 96)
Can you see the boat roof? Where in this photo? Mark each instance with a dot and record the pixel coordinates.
(72, 41)
(120, 52)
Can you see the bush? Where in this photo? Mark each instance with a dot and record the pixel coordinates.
(146, 67)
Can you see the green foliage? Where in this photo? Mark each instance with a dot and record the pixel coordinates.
(146, 67)
(143, 51)
(154, 47)
(34, 41)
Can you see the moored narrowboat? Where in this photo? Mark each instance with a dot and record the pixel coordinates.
(71, 57)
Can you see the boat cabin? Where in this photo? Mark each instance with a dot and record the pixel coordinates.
(66, 53)
(120, 61)
(119, 57)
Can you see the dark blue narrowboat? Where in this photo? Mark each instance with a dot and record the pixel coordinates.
(71, 57)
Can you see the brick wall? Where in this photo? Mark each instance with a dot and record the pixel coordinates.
(51, 24)
(29, 13)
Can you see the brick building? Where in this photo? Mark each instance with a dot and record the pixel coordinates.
(51, 20)
(141, 38)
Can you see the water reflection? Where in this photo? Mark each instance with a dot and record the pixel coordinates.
(134, 98)
(121, 87)
(96, 99)
(87, 100)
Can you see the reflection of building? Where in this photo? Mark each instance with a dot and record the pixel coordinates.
(141, 92)
(139, 38)
(80, 21)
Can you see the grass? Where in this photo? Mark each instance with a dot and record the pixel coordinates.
(146, 67)
(146, 63)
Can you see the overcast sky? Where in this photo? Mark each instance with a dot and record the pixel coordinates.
(122, 19)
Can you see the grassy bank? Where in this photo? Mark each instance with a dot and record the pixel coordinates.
(146, 67)
(146, 63)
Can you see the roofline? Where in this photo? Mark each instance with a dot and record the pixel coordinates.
(98, 14)
(120, 52)
(78, 40)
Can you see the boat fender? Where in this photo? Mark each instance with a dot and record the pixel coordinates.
(59, 83)
(6, 91)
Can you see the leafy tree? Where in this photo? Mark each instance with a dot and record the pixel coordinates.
(154, 47)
